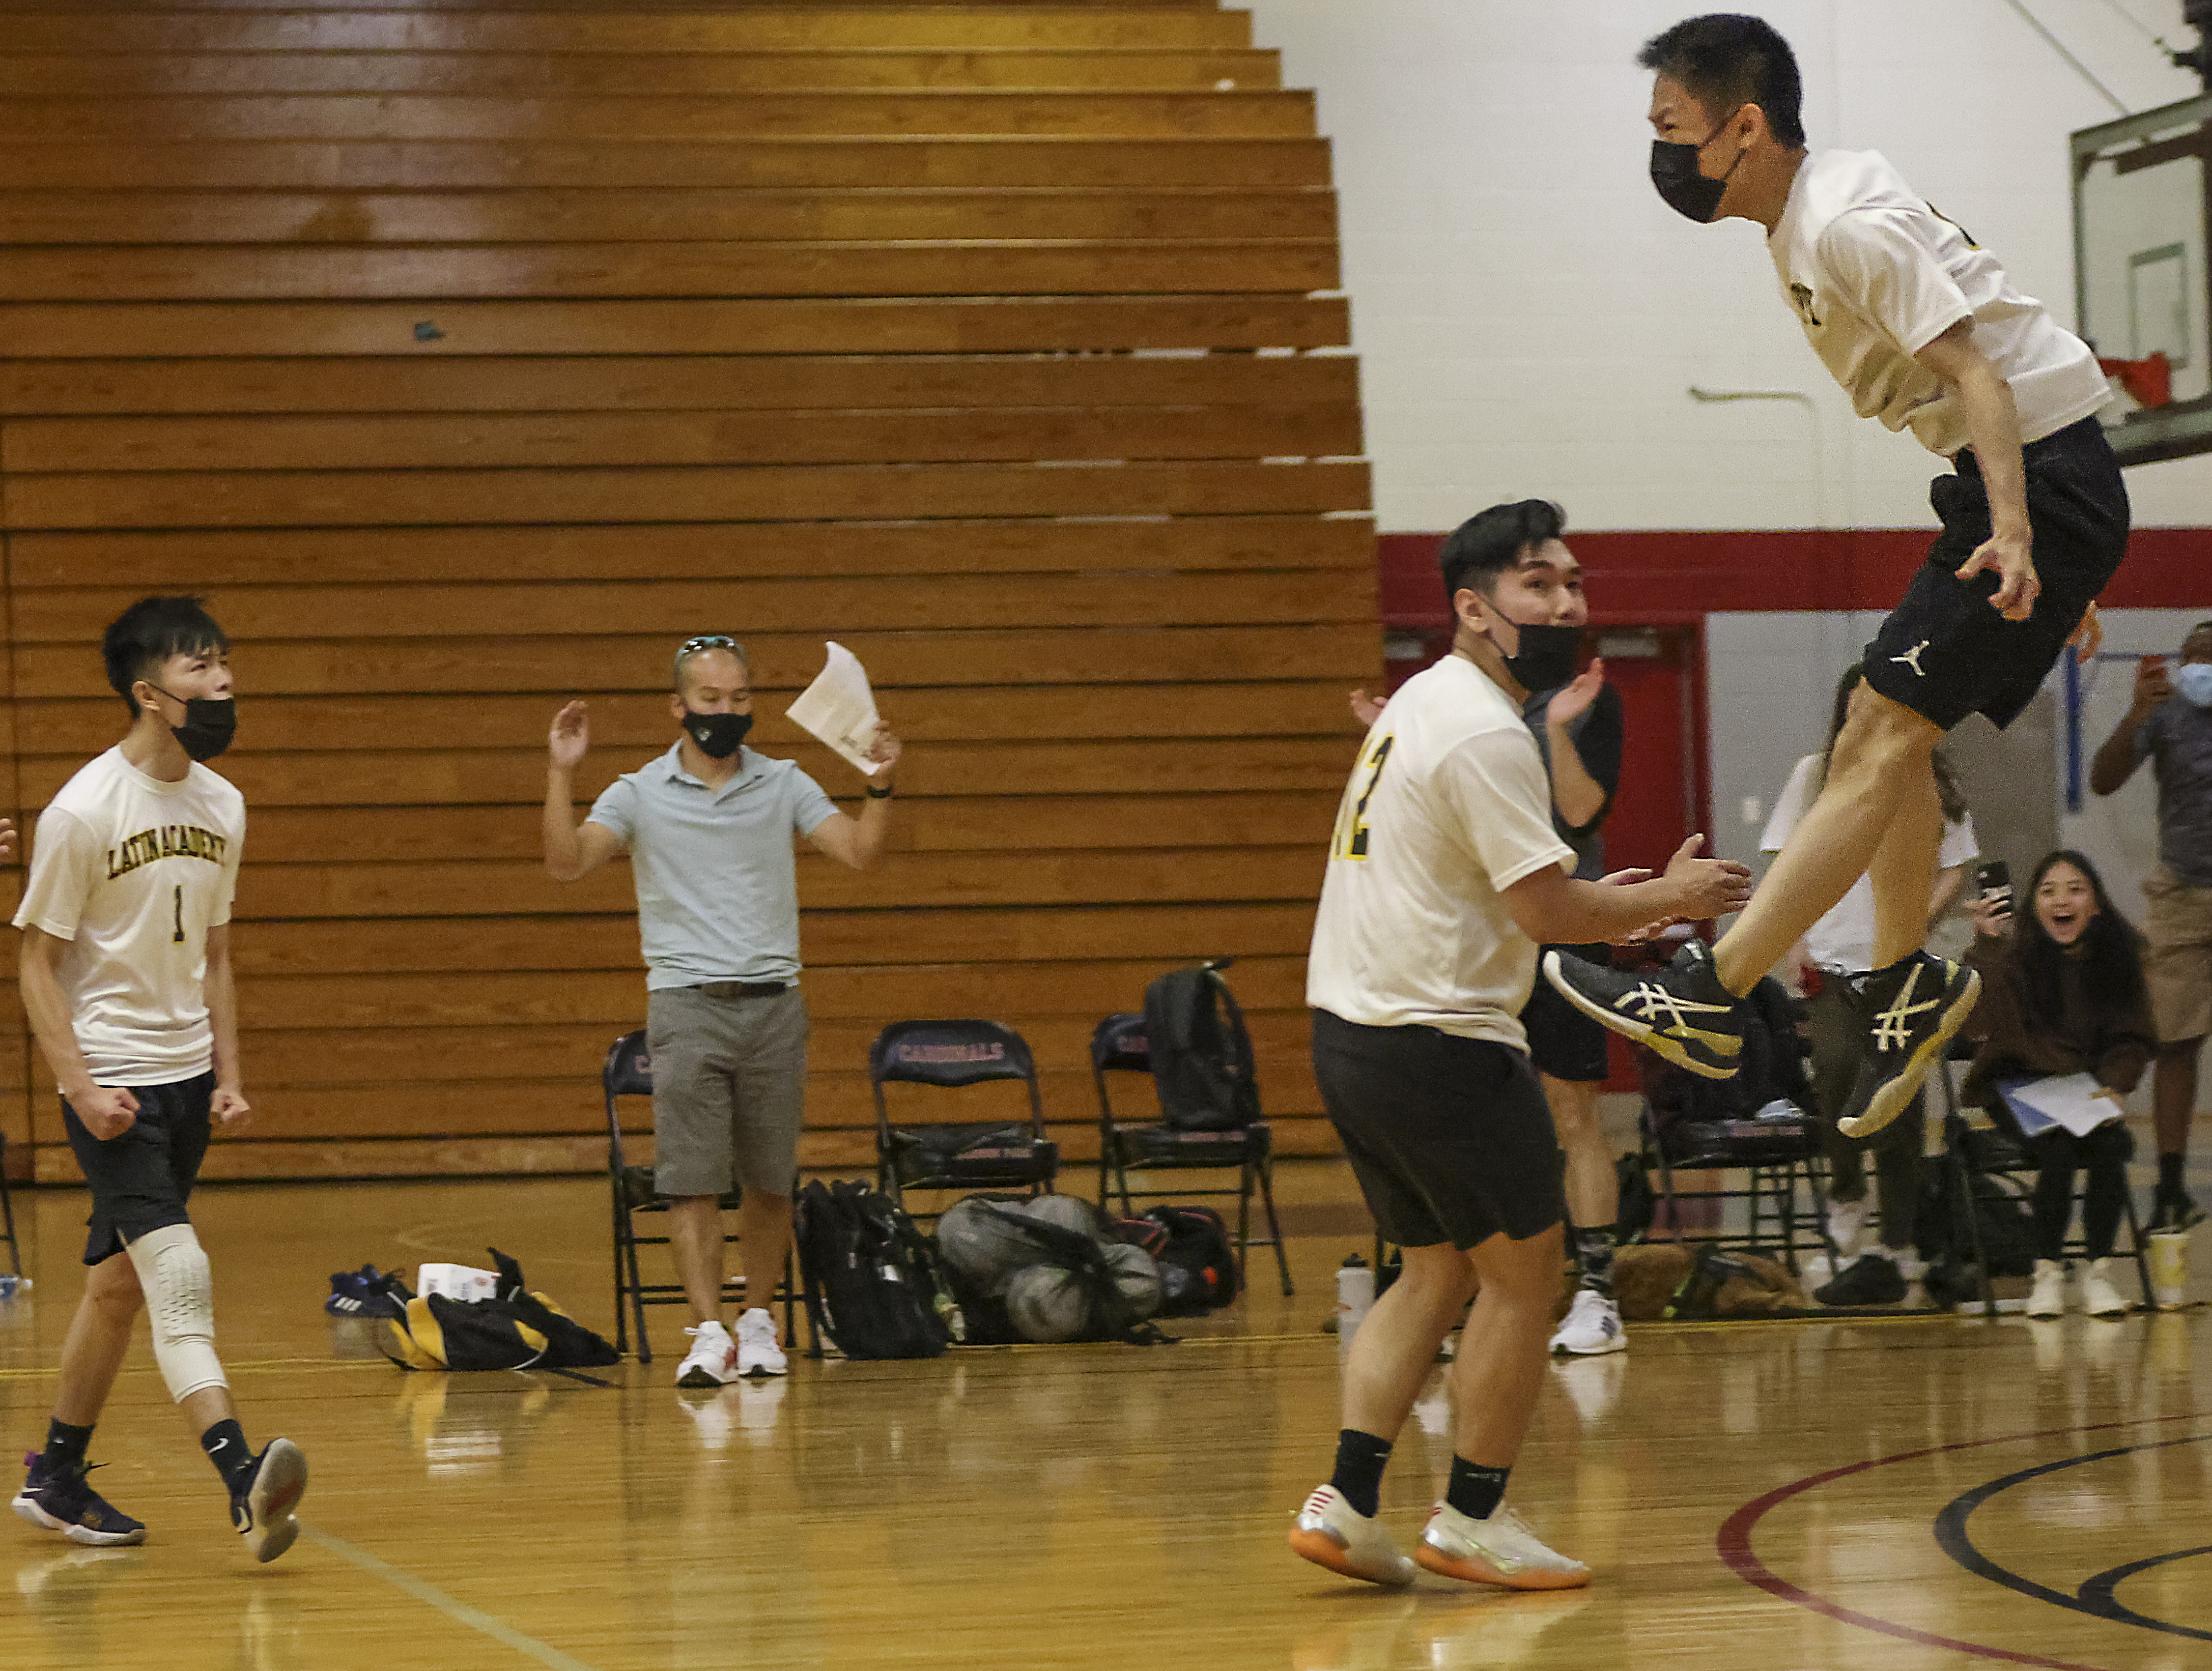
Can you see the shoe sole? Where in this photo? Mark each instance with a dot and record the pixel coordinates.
(1619, 1343)
(1322, 1550)
(276, 1491)
(1432, 1560)
(26, 1509)
(700, 1376)
(762, 1372)
(1636, 1032)
(1892, 1099)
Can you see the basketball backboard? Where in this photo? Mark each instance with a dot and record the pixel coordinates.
(2139, 211)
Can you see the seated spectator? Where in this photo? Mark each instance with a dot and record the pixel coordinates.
(2063, 994)
(1882, 1267)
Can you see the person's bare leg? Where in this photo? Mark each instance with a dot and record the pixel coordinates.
(2174, 1094)
(1881, 761)
(1903, 870)
(763, 1239)
(1390, 1357)
(205, 1408)
(1593, 1188)
(1500, 1368)
(98, 1340)
(695, 1246)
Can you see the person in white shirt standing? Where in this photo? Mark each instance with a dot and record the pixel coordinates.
(126, 975)
(1836, 951)
(1444, 873)
(1924, 331)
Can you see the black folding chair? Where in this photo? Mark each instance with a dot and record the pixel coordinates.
(1118, 1044)
(629, 1073)
(989, 1154)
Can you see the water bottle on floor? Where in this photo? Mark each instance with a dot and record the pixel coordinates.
(12, 1285)
(1355, 1295)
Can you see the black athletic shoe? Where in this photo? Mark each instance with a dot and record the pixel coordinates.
(62, 1501)
(262, 1513)
(1911, 1010)
(2174, 1210)
(1872, 1278)
(1682, 1012)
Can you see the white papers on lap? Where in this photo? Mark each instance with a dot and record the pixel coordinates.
(2071, 1100)
(839, 708)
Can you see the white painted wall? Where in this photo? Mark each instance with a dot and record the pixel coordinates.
(1529, 317)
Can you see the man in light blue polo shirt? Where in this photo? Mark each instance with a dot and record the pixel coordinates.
(709, 827)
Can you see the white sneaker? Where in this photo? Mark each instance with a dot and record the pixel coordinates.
(2048, 1298)
(759, 1351)
(2100, 1299)
(713, 1357)
(1592, 1326)
(1330, 1533)
(1847, 1228)
(1500, 1550)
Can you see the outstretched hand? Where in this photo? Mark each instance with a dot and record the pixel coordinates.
(885, 752)
(1573, 698)
(571, 736)
(1706, 887)
(1366, 708)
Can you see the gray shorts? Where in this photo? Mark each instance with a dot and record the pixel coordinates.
(729, 1088)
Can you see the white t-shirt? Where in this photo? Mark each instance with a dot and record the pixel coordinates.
(1874, 276)
(1447, 808)
(133, 872)
(1843, 941)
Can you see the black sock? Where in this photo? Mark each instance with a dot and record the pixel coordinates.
(2169, 1174)
(1358, 1476)
(65, 1446)
(225, 1444)
(1475, 1491)
(1594, 1246)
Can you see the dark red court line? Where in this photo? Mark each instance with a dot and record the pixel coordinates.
(1733, 1544)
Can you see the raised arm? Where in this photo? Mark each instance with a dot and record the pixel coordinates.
(1553, 909)
(572, 849)
(860, 841)
(2117, 759)
(1576, 792)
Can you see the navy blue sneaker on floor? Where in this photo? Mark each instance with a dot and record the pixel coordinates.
(1681, 1013)
(62, 1501)
(363, 1293)
(262, 1513)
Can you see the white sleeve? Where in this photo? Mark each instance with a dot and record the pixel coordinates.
(1960, 845)
(1790, 807)
(1495, 783)
(65, 865)
(1892, 276)
(229, 892)
(616, 810)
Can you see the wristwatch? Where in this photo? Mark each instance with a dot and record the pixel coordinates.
(880, 791)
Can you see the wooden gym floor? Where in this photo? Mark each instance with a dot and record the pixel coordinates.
(1899, 1493)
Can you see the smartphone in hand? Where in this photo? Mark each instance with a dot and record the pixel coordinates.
(1994, 881)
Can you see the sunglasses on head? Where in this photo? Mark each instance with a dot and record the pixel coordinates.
(707, 641)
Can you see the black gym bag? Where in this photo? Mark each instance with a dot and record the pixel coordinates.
(1202, 1054)
(872, 1283)
(1198, 1262)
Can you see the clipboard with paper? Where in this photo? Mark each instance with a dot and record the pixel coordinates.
(840, 709)
(2071, 1102)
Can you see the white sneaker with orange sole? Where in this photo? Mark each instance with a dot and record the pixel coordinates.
(1330, 1533)
(1500, 1550)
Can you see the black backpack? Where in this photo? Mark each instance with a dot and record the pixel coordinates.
(1198, 1263)
(1202, 1054)
(872, 1283)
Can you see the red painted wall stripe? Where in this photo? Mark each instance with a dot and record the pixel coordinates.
(1671, 575)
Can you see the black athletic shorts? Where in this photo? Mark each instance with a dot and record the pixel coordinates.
(1564, 1042)
(142, 1179)
(1944, 653)
(1449, 1137)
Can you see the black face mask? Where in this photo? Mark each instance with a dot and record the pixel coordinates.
(1545, 659)
(1674, 175)
(719, 735)
(210, 722)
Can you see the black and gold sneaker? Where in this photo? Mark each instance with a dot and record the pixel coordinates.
(262, 1513)
(1682, 1012)
(1913, 1009)
(61, 1501)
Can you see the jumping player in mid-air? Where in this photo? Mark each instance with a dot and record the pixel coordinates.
(126, 975)
(1924, 330)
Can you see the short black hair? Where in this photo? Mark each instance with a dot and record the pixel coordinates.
(1727, 60)
(149, 632)
(1491, 541)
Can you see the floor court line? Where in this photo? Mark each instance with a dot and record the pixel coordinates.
(1733, 1544)
(431, 1595)
(2095, 1596)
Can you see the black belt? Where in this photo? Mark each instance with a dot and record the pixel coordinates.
(745, 988)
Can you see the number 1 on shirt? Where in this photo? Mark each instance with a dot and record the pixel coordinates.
(1351, 841)
(178, 938)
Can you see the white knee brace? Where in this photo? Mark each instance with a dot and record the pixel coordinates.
(173, 1273)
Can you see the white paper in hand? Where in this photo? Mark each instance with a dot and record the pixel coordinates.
(839, 708)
